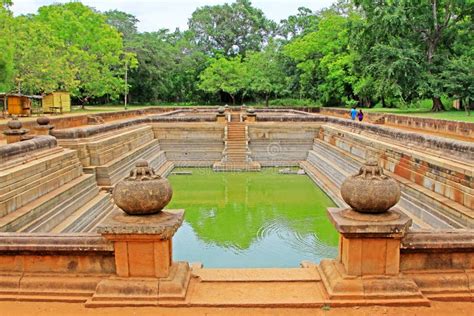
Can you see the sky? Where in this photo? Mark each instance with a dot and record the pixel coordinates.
(170, 14)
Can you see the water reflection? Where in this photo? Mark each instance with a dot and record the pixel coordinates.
(251, 219)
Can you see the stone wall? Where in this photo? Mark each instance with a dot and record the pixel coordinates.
(281, 144)
(446, 127)
(440, 262)
(191, 144)
(49, 267)
(25, 148)
(70, 121)
(447, 182)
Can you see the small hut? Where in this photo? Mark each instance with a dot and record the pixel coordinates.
(57, 102)
(17, 104)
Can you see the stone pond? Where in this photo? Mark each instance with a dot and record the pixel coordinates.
(263, 219)
(63, 238)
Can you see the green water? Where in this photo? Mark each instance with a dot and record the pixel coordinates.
(251, 219)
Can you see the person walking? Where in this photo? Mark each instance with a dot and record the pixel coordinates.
(360, 115)
(353, 113)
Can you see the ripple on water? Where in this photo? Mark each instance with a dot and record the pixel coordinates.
(308, 243)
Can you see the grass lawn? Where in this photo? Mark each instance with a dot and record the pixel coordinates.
(453, 115)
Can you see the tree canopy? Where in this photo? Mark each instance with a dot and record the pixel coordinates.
(355, 52)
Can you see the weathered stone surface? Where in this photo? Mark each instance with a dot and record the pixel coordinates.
(43, 120)
(14, 132)
(437, 186)
(11, 151)
(389, 224)
(341, 286)
(191, 144)
(14, 123)
(370, 191)
(449, 127)
(143, 192)
(163, 224)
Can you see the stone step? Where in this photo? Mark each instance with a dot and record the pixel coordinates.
(22, 216)
(422, 209)
(332, 188)
(119, 168)
(42, 188)
(11, 176)
(23, 160)
(103, 152)
(60, 212)
(39, 179)
(324, 182)
(86, 218)
(229, 166)
(165, 169)
(429, 205)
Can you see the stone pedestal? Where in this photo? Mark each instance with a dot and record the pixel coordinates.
(145, 272)
(15, 131)
(368, 265)
(13, 136)
(43, 129)
(221, 118)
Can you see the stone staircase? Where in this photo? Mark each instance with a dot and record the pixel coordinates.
(328, 166)
(41, 194)
(236, 155)
(111, 156)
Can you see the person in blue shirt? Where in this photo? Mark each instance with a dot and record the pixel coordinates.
(353, 113)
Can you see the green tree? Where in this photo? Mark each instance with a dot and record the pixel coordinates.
(227, 75)
(304, 22)
(266, 73)
(92, 47)
(230, 29)
(123, 22)
(40, 63)
(324, 59)
(413, 41)
(6, 46)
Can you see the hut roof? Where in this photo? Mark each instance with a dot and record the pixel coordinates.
(3, 94)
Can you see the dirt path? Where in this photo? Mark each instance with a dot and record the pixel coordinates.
(64, 309)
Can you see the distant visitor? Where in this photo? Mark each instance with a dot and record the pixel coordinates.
(353, 113)
(360, 115)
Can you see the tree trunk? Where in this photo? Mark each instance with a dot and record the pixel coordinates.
(383, 102)
(466, 106)
(367, 102)
(437, 105)
(233, 98)
(266, 100)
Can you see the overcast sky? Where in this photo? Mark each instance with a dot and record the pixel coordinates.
(156, 14)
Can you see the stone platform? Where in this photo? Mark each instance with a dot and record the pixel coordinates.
(236, 167)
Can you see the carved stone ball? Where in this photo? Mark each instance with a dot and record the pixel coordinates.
(143, 192)
(370, 191)
(250, 110)
(221, 110)
(43, 120)
(14, 123)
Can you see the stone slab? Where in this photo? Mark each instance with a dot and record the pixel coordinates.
(162, 225)
(349, 223)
